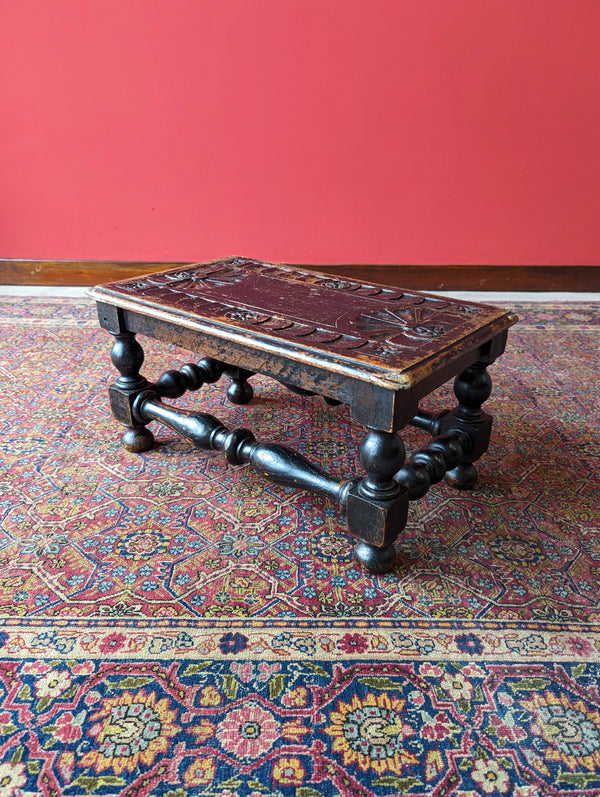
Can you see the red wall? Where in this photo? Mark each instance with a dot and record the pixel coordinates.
(333, 131)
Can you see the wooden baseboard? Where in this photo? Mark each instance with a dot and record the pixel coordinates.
(414, 277)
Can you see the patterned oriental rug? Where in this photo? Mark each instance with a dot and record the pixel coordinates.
(173, 626)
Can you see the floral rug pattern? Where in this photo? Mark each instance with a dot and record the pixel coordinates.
(174, 626)
(236, 727)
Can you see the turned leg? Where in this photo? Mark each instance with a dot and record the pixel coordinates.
(128, 356)
(472, 388)
(376, 506)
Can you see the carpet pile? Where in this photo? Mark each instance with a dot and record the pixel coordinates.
(172, 626)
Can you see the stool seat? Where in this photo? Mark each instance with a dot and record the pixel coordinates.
(374, 347)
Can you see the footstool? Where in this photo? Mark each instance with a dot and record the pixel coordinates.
(377, 349)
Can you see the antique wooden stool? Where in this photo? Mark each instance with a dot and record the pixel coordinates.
(378, 349)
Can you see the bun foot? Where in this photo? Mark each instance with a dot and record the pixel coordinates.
(139, 439)
(374, 560)
(462, 478)
(240, 392)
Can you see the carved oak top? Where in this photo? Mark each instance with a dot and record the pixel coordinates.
(388, 328)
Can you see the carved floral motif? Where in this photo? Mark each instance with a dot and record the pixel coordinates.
(383, 323)
(371, 320)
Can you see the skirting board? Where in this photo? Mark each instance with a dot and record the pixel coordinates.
(414, 277)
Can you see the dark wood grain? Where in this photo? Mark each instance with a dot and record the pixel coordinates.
(375, 333)
(415, 277)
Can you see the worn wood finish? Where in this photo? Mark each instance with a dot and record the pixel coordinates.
(374, 347)
(415, 277)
